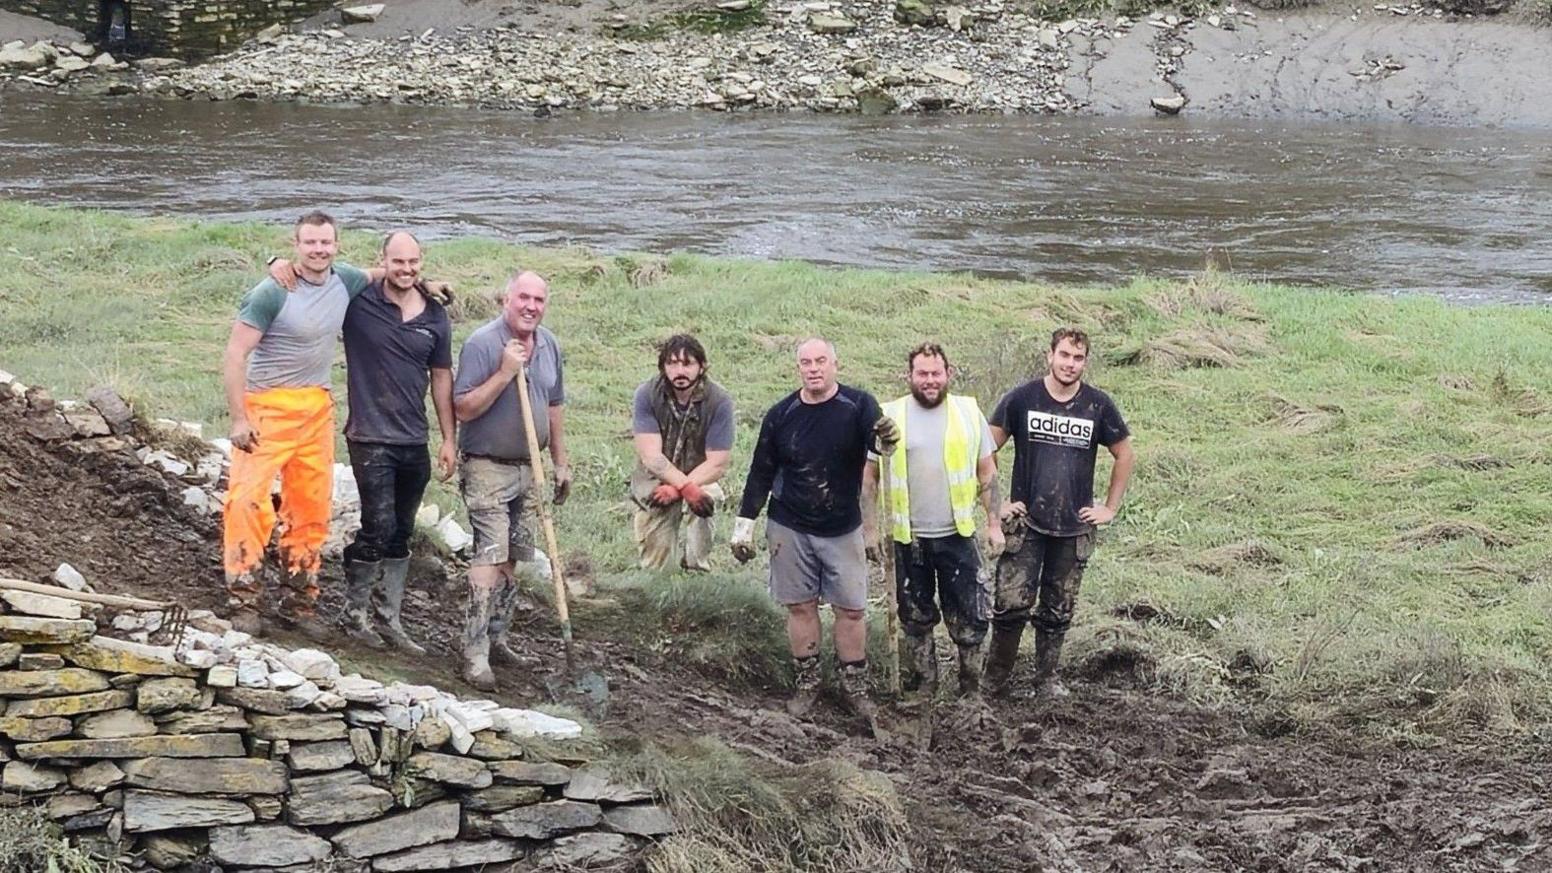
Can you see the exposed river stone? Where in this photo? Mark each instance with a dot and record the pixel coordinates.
(444, 856)
(29, 629)
(149, 811)
(74, 704)
(193, 746)
(266, 846)
(299, 726)
(436, 823)
(545, 820)
(335, 798)
(50, 683)
(210, 776)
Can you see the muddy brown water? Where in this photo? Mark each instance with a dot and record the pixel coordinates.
(1384, 208)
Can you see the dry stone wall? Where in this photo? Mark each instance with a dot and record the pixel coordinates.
(190, 28)
(231, 753)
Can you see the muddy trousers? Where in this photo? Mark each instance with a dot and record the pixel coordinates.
(939, 579)
(1038, 577)
(657, 535)
(392, 479)
(295, 428)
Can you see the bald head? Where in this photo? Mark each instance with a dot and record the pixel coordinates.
(528, 294)
(401, 259)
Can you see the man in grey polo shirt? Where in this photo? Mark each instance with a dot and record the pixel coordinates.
(496, 480)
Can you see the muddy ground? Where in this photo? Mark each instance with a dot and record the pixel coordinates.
(1115, 778)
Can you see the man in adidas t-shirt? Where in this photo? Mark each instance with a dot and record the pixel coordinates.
(1057, 425)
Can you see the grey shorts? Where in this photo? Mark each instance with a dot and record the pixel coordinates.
(496, 494)
(806, 567)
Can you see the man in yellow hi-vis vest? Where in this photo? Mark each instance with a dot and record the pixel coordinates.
(948, 462)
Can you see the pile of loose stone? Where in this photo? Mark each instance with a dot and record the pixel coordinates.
(255, 757)
(50, 64)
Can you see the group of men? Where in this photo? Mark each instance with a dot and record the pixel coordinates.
(823, 456)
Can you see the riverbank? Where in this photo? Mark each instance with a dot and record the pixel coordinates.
(1338, 505)
(1389, 63)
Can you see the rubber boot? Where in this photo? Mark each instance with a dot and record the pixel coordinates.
(298, 606)
(476, 641)
(390, 603)
(972, 660)
(805, 692)
(1000, 657)
(360, 577)
(503, 603)
(924, 664)
(854, 685)
(1048, 652)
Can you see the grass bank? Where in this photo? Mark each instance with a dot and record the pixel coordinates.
(1338, 509)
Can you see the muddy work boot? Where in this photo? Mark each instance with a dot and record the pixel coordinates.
(299, 604)
(476, 641)
(1048, 652)
(971, 662)
(390, 602)
(805, 692)
(244, 592)
(360, 578)
(503, 603)
(1000, 657)
(854, 686)
(923, 676)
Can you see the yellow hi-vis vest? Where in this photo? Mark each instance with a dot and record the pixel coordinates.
(961, 453)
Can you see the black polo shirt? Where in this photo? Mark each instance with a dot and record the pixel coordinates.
(388, 365)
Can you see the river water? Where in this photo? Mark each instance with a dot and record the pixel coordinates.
(1391, 209)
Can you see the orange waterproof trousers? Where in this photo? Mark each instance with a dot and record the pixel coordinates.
(295, 428)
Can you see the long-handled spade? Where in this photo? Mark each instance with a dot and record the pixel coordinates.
(886, 556)
(590, 684)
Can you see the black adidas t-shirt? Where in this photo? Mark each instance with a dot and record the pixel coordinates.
(1054, 445)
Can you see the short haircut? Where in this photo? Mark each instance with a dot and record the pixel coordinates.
(930, 350)
(316, 218)
(517, 276)
(829, 346)
(388, 239)
(1078, 337)
(680, 345)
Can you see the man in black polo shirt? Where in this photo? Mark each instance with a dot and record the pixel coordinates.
(397, 341)
(809, 459)
(1057, 424)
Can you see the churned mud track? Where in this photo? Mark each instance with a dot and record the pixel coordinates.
(1113, 778)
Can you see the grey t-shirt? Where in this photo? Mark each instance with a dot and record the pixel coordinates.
(926, 479)
(299, 328)
(719, 424)
(499, 432)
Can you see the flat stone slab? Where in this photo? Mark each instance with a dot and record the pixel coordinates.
(543, 821)
(51, 683)
(258, 700)
(9, 652)
(43, 605)
(299, 726)
(642, 821)
(120, 656)
(116, 724)
(209, 776)
(587, 851)
(31, 778)
(96, 777)
(72, 704)
(31, 630)
(33, 730)
(437, 823)
(147, 811)
(204, 721)
(266, 846)
(319, 757)
(449, 769)
(596, 784)
(529, 773)
(335, 798)
(164, 746)
(500, 798)
(445, 856)
(166, 694)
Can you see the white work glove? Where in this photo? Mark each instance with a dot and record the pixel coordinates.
(743, 540)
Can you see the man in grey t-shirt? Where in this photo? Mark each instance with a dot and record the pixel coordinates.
(496, 482)
(276, 376)
(945, 463)
(682, 426)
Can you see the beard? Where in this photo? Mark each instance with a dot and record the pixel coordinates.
(921, 398)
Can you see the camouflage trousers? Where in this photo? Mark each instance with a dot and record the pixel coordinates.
(1038, 577)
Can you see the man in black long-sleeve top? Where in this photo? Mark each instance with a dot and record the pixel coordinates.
(809, 460)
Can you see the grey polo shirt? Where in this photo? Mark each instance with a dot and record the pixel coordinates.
(499, 432)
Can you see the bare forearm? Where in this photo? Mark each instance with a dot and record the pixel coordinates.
(663, 469)
(442, 400)
(708, 471)
(475, 403)
(991, 496)
(558, 453)
(234, 378)
(870, 503)
(1120, 477)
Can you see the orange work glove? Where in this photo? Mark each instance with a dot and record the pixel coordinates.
(696, 499)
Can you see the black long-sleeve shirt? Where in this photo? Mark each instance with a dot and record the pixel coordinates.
(809, 462)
